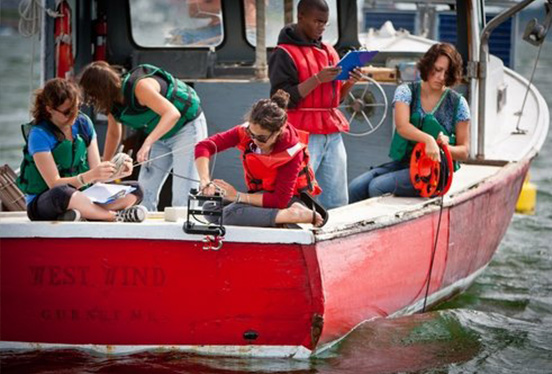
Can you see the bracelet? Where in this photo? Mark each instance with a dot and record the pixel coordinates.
(317, 79)
(80, 179)
(238, 197)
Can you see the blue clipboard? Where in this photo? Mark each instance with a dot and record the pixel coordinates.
(353, 59)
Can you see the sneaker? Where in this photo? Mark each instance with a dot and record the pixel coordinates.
(135, 213)
(71, 215)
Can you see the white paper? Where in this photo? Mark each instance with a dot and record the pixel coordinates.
(103, 193)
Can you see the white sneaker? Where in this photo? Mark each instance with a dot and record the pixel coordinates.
(135, 213)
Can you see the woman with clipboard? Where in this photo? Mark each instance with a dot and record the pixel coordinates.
(61, 158)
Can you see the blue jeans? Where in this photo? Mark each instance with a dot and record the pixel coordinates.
(153, 175)
(393, 177)
(329, 163)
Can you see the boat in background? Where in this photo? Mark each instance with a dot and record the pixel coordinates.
(273, 292)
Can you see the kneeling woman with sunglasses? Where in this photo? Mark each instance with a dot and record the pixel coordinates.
(61, 156)
(276, 167)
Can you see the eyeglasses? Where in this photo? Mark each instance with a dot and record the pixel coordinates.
(260, 138)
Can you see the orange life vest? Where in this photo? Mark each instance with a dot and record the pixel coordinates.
(317, 113)
(261, 169)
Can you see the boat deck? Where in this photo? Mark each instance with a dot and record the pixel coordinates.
(388, 207)
(169, 226)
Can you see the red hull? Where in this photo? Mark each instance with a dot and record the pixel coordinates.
(382, 272)
(173, 293)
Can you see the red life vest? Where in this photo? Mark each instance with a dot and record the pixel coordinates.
(316, 113)
(261, 169)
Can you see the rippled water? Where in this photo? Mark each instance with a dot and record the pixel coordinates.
(502, 324)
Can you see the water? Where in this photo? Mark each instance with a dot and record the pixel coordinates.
(501, 324)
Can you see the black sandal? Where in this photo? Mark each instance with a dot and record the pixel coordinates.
(311, 203)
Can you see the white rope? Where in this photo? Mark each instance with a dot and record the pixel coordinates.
(30, 16)
(30, 13)
(177, 150)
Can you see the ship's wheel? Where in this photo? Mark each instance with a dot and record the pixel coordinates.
(365, 107)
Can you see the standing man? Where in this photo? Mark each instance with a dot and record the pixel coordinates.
(305, 67)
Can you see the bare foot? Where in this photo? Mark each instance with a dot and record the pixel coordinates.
(298, 213)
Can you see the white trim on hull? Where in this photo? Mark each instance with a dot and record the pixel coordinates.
(257, 351)
(151, 230)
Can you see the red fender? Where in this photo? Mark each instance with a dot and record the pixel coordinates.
(62, 35)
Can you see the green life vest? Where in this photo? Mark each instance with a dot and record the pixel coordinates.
(71, 158)
(401, 148)
(139, 117)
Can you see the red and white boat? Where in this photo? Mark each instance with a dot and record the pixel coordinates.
(122, 287)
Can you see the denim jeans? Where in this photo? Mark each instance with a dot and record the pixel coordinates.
(153, 175)
(329, 163)
(393, 177)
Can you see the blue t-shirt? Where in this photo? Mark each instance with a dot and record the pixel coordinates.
(404, 95)
(42, 140)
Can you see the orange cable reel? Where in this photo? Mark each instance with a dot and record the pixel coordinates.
(431, 178)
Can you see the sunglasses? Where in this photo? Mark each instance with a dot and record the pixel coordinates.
(67, 112)
(260, 138)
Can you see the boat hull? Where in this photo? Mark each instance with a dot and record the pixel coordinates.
(156, 293)
(273, 299)
(384, 272)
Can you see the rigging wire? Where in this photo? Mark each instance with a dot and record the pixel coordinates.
(520, 113)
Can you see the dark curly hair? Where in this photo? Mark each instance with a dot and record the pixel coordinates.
(427, 63)
(54, 93)
(271, 113)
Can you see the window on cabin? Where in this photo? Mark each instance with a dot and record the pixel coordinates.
(275, 16)
(176, 23)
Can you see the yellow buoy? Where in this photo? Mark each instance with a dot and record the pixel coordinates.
(527, 200)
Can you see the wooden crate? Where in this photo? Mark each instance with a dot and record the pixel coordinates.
(11, 197)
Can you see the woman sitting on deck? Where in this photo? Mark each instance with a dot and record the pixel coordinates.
(427, 111)
(61, 156)
(276, 165)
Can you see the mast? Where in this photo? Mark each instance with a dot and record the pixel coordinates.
(260, 49)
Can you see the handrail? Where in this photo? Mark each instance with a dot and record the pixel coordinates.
(483, 61)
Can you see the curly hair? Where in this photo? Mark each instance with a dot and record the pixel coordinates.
(271, 113)
(54, 93)
(101, 84)
(427, 63)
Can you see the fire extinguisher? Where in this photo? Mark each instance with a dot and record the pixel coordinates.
(63, 41)
(100, 30)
